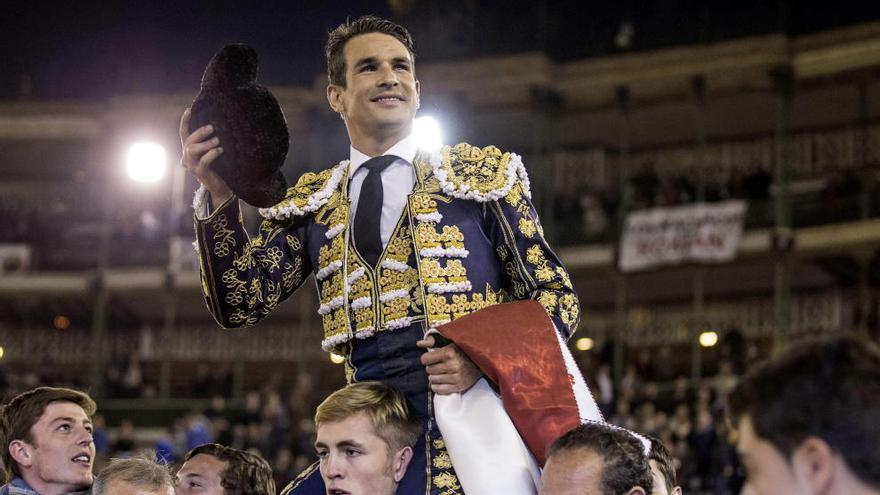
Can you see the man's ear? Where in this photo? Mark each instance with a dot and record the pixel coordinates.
(401, 462)
(334, 98)
(676, 491)
(636, 490)
(813, 462)
(20, 451)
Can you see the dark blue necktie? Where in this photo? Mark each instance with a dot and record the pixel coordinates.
(369, 210)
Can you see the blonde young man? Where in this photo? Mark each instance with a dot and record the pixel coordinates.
(46, 434)
(400, 239)
(365, 439)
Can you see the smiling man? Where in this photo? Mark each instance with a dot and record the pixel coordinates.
(213, 469)
(400, 240)
(365, 439)
(808, 421)
(47, 438)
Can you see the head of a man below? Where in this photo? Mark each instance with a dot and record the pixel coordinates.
(213, 469)
(808, 421)
(47, 438)
(596, 459)
(134, 476)
(365, 439)
(662, 469)
(372, 82)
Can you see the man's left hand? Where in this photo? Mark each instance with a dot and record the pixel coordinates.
(449, 369)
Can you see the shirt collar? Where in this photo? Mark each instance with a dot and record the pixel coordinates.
(406, 148)
(21, 487)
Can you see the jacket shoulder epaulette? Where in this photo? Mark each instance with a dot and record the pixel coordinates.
(480, 174)
(311, 192)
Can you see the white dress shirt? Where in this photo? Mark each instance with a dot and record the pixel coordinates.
(397, 182)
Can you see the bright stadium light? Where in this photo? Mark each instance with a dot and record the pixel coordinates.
(336, 358)
(428, 134)
(708, 339)
(584, 344)
(146, 162)
(2, 352)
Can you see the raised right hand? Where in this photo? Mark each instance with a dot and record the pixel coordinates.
(199, 150)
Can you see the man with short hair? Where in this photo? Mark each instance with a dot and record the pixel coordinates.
(134, 476)
(662, 469)
(213, 469)
(46, 434)
(808, 421)
(597, 459)
(365, 439)
(400, 238)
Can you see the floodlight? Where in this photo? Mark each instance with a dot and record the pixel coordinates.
(427, 132)
(146, 162)
(708, 339)
(584, 344)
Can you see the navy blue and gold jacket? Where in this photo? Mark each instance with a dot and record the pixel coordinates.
(468, 238)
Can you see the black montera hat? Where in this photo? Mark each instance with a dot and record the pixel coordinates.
(249, 122)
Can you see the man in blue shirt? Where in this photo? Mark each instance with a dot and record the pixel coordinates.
(48, 448)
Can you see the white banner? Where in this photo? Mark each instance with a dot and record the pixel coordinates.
(701, 232)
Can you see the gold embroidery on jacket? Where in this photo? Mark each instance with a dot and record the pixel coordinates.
(448, 482)
(513, 274)
(442, 461)
(292, 275)
(548, 300)
(362, 287)
(449, 307)
(527, 227)
(224, 237)
(335, 322)
(307, 185)
(393, 280)
(235, 287)
(423, 204)
(333, 252)
(433, 273)
(445, 479)
(472, 168)
(395, 308)
(428, 237)
(331, 287)
(535, 255)
(400, 246)
(364, 318)
(568, 309)
(514, 197)
(563, 275)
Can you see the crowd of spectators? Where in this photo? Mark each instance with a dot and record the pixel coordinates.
(590, 214)
(687, 417)
(276, 420)
(694, 421)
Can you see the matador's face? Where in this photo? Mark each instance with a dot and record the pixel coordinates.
(381, 94)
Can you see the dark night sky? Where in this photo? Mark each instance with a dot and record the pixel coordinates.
(85, 49)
